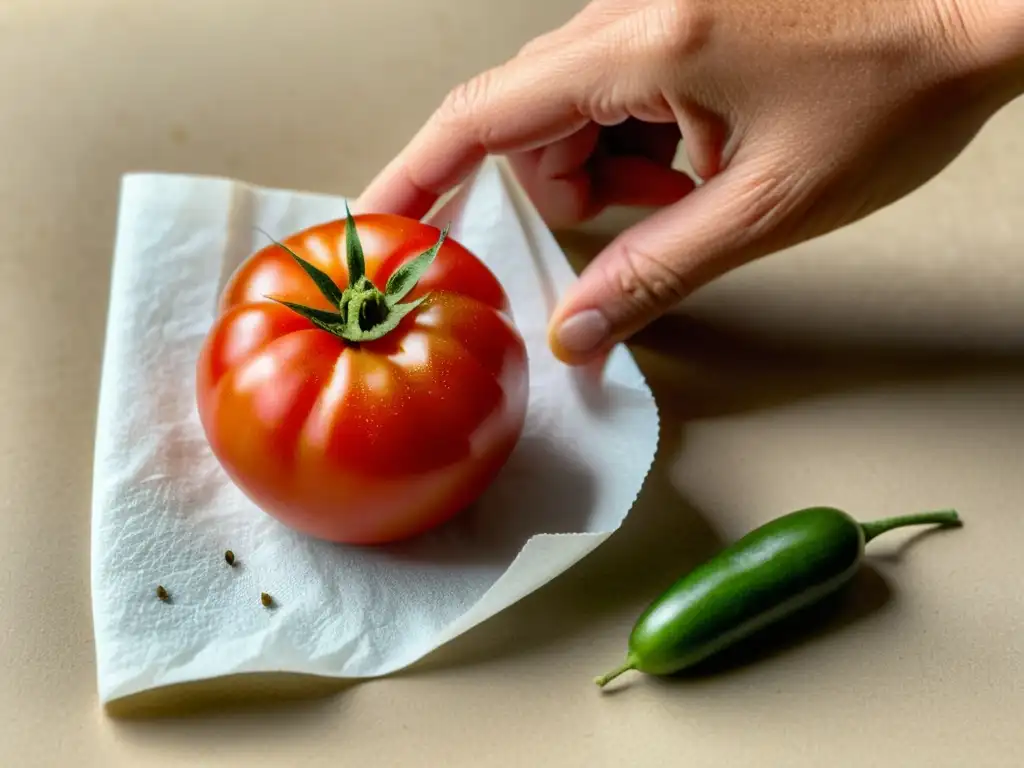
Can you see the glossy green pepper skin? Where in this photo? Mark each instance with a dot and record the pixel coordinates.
(772, 572)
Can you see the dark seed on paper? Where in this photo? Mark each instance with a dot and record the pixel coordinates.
(266, 599)
(162, 593)
(229, 556)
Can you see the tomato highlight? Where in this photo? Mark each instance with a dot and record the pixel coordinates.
(355, 413)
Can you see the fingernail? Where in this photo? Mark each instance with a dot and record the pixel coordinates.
(583, 333)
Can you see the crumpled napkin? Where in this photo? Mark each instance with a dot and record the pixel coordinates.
(164, 512)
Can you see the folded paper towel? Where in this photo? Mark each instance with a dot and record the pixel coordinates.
(164, 512)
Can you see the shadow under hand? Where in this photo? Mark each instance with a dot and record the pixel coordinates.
(702, 371)
(738, 363)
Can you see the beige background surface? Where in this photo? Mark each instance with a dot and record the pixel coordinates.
(920, 405)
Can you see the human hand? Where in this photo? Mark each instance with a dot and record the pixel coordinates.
(798, 117)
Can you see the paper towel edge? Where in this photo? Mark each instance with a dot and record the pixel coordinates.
(103, 401)
(461, 625)
(128, 688)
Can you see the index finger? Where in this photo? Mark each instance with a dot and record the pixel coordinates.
(524, 103)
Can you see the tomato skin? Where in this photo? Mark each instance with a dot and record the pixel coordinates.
(375, 442)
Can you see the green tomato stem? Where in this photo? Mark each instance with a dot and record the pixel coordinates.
(353, 250)
(626, 666)
(945, 517)
(364, 312)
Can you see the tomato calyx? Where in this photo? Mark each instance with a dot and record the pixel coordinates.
(364, 312)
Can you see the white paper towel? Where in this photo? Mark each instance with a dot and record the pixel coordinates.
(164, 511)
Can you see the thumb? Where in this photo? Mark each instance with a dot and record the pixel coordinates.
(735, 217)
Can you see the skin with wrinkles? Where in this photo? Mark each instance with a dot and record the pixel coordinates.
(797, 117)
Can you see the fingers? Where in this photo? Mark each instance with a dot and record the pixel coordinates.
(556, 178)
(638, 181)
(574, 179)
(525, 103)
(568, 155)
(732, 219)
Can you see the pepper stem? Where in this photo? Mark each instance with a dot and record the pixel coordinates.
(626, 666)
(944, 517)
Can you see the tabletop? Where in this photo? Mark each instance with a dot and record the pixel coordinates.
(879, 369)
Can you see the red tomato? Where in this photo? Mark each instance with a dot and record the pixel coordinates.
(363, 440)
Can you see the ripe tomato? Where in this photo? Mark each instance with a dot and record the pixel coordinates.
(363, 410)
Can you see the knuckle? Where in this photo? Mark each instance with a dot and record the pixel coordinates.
(611, 100)
(530, 47)
(674, 30)
(644, 280)
(536, 45)
(608, 106)
(639, 54)
(465, 100)
(464, 109)
(762, 202)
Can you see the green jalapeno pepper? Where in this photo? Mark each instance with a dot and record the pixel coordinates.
(770, 573)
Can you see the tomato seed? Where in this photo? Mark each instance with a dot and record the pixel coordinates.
(266, 599)
(162, 593)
